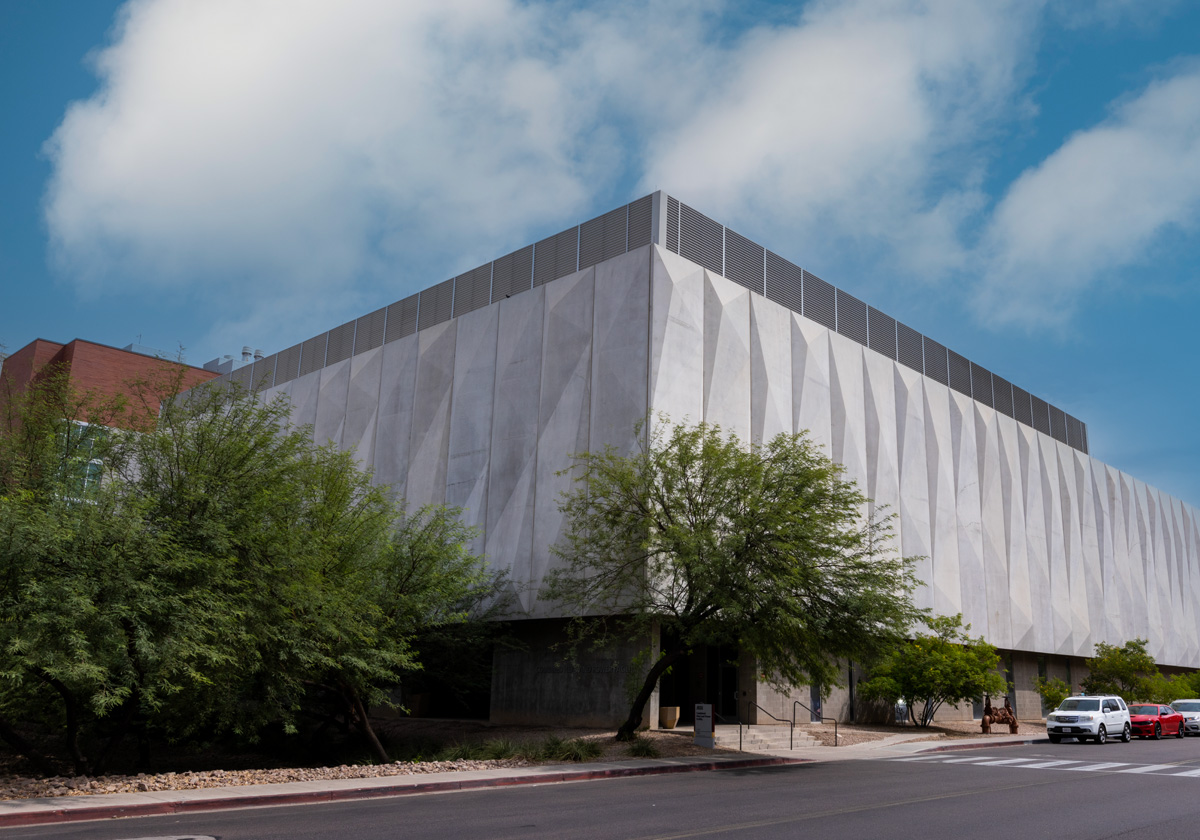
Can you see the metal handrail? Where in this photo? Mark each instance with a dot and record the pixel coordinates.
(722, 719)
(790, 723)
(796, 703)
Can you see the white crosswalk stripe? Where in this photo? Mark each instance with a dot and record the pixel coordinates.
(1075, 765)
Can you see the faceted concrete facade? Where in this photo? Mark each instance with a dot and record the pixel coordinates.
(1042, 548)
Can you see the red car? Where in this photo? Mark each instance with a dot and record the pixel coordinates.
(1153, 720)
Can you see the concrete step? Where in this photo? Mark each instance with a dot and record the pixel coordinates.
(762, 738)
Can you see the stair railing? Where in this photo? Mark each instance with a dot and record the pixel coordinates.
(796, 703)
(722, 719)
(791, 723)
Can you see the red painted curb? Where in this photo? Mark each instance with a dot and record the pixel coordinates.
(103, 812)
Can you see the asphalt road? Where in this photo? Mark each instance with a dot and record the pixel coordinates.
(1069, 790)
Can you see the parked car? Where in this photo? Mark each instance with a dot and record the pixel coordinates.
(1089, 718)
(1190, 709)
(1152, 720)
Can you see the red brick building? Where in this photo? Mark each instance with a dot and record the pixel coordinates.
(98, 368)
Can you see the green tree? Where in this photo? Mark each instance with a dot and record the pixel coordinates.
(1052, 691)
(943, 666)
(227, 575)
(766, 547)
(1128, 670)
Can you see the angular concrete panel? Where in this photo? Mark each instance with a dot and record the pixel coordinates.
(430, 438)
(470, 443)
(515, 434)
(564, 413)
(362, 405)
(727, 374)
(619, 351)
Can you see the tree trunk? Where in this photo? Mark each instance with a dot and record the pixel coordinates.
(71, 707)
(630, 726)
(364, 723)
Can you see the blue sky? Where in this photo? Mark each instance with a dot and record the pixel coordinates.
(1019, 179)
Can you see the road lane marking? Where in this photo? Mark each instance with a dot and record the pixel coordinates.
(1104, 765)
(1002, 761)
(1058, 763)
(1149, 768)
(1192, 773)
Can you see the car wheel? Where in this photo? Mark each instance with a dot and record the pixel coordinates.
(1157, 731)
(1125, 736)
(1179, 734)
(1101, 735)
(1054, 739)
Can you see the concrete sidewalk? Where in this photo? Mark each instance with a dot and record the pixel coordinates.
(26, 812)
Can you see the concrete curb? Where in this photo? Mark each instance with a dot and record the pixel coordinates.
(48, 815)
(984, 745)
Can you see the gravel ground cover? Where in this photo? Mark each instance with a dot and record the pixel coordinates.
(423, 730)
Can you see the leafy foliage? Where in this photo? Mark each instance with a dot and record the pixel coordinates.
(943, 666)
(227, 576)
(1052, 691)
(764, 547)
(1128, 670)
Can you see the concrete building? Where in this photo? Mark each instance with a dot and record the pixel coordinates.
(475, 391)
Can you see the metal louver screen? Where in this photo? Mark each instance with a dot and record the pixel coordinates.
(744, 261)
(368, 334)
(960, 373)
(784, 282)
(1083, 431)
(1002, 391)
(700, 239)
(1022, 406)
(402, 318)
(473, 290)
(242, 377)
(641, 223)
(672, 225)
(312, 354)
(909, 348)
(936, 364)
(852, 317)
(615, 233)
(981, 385)
(287, 367)
(591, 242)
(435, 304)
(341, 343)
(264, 373)
(1041, 415)
(1058, 424)
(1073, 435)
(881, 330)
(819, 301)
(556, 256)
(603, 237)
(512, 273)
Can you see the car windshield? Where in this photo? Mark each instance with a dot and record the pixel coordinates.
(1186, 707)
(1075, 704)
(1143, 710)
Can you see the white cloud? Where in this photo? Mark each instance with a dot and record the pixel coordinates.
(279, 152)
(839, 126)
(1101, 202)
(264, 148)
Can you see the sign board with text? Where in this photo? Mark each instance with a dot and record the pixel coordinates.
(704, 725)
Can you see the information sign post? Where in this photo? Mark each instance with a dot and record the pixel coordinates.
(704, 725)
